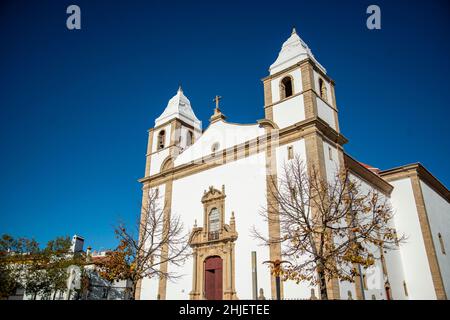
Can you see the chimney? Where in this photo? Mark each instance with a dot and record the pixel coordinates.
(77, 244)
(88, 253)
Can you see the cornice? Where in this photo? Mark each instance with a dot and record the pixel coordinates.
(416, 169)
(245, 149)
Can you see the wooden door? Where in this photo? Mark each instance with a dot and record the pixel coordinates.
(213, 278)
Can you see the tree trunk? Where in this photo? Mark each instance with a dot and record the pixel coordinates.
(54, 295)
(322, 285)
(133, 290)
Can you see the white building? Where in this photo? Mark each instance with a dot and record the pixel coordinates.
(97, 288)
(220, 174)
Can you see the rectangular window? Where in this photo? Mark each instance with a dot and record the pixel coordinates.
(247, 149)
(330, 153)
(293, 195)
(396, 238)
(364, 282)
(441, 242)
(290, 152)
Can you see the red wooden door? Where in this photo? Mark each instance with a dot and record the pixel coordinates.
(213, 278)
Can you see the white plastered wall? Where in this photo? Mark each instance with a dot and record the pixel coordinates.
(291, 110)
(414, 258)
(438, 211)
(291, 289)
(149, 286)
(251, 185)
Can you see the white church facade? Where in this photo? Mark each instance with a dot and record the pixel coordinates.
(216, 180)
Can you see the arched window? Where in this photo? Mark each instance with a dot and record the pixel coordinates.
(161, 139)
(189, 138)
(214, 220)
(323, 90)
(286, 87)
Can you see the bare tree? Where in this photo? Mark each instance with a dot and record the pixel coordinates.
(327, 227)
(145, 252)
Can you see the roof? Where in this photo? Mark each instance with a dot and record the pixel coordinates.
(179, 107)
(294, 50)
(371, 168)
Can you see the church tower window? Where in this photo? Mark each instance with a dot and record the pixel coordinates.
(286, 87)
(161, 139)
(189, 138)
(323, 90)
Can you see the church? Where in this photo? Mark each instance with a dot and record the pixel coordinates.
(216, 180)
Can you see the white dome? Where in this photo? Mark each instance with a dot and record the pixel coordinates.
(179, 107)
(293, 51)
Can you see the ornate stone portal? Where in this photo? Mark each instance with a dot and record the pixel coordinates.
(213, 251)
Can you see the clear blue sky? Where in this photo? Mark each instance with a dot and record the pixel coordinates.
(75, 106)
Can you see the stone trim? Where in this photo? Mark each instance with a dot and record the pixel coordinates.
(299, 94)
(315, 158)
(182, 122)
(267, 123)
(222, 246)
(299, 64)
(428, 239)
(309, 95)
(280, 86)
(287, 70)
(166, 164)
(268, 112)
(267, 92)
(162, 285)
(425, 175)
(273, 227)
(286, 135)
(416, 172)
(149, 152)
(334, 104)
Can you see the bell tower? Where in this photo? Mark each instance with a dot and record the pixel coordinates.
(298, 87)
(299, 97)
(175, 129)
